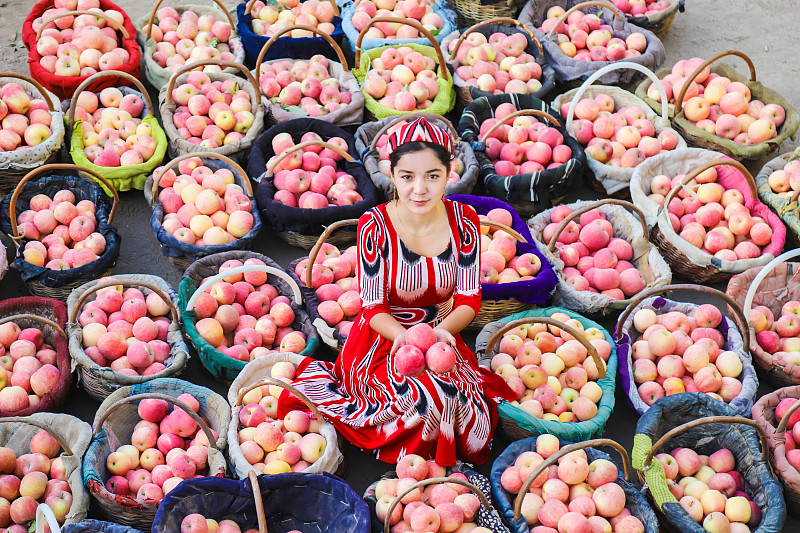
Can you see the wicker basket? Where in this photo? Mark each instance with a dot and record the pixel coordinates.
(703, 139)
(784, 204)
(45, 518)
(113, 425)
(256, 375)
(471, 12)
(14, 165)
(99, 381)
(57, 288)
(519, 424)
(735, 335)
(701, 267)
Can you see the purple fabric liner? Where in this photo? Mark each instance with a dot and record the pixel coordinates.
(535, 291)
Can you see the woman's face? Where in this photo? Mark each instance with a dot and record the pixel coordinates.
(420, 179)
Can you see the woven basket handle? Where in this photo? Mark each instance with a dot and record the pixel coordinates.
(249, 7)
(12, 204)
(719, 162)
(707, 62)
(765, 270)
(411, 116)
(515, 114)
(113, 283)
(117, 26)
(33, 82)
(259, 501)
(419, 484)
(218, 62)
(312, 29)
(157, 396)
(206, 155)
(443, 72)
(594, 205)
(594, 443)
(619, 65)
(45, 516)
(497, 20)
(158, 3)
(41, 319)
(600, 3)
(511, 231)
(91, 79)
(283, 385)
(314, 142)
(598, 361)
(737, 311)
(41, 425)
(709, 420)
(312, 256)
(298, 299)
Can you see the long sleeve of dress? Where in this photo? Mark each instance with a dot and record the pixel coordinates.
(468, 283)
(373, 274)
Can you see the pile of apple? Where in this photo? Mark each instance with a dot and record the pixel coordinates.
(28, 367)
(79, 45)
(306, 84)
(269, 20)
(589, 38)
(25, 121)
(422, 352)
(31, 479)
(594, 259)
(334, 278)
(639, 8)
(499, 64)
(243, 316)
(187, 38)
(197, 523)
(167, 446)
(786, 181)
(792, 430)
(573, 495)
(710, 490)
(402, 79)
(126, 331)
(63, 231)
(457, 166)
(524, 146)
(211, 113)
(499, 260)
(720, 106)
(623, 138)
(203, 206)
(678, 353)
(273, 445)
(779, 337)
(113, 132)
(444, 507)
(712, 218)
(419, 10)
(551, 373)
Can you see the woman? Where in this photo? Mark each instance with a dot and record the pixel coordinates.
(417, 262)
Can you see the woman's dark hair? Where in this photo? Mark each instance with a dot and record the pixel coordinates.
(439, 151)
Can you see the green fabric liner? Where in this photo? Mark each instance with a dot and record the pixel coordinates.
(571, 431)
(122, 178)
(444, 101)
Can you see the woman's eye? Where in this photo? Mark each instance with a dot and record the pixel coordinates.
(407, 177)
(433, 177)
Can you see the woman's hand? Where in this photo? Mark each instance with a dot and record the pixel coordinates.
(399, 341)
(442, 335)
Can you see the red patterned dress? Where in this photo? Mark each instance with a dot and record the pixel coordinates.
(438, 416)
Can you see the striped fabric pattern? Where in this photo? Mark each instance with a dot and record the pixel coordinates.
(420, 130)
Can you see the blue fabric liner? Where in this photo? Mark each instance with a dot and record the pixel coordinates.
(285, 47)
(83, 190)
(97, 526)
(636, 502)
(535, 291)
(307, 502)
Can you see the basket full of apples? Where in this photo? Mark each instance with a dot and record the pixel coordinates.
(544, 483)
(148, 438)
(61, 226)
(202, 32)
(125, 330)
(483, 58)
(114, 132)
(561, 366)
(371, 140)
(261, 441)
(707, 469)
(41, 464)
(69, 40)
(778, 182)
(318, 88)
(33, 128)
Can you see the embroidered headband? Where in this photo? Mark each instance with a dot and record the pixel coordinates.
(420, 130)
